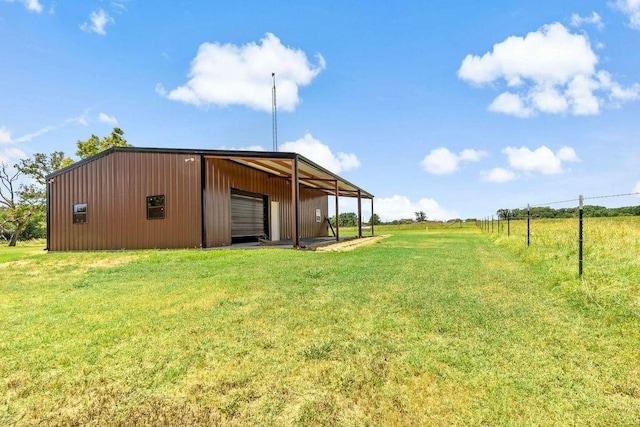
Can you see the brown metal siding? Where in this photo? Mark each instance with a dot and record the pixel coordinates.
(223, 175)
(115, 188)
(310, 200)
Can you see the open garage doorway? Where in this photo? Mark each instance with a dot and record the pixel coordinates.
(249, 216)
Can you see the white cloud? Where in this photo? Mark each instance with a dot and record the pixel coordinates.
(110, 120)
(98, 22)
(246, 148)
(320, 153)
(5, 136)
(617, 93)
(498, 175)
(226, 74)
(567, 154)
(631, 8)
(10, 155)
(470, 155)
(30, 136)
(400, 207)
(541, 160)
(441, 161)
(31, 5)
(636, 189)
(119, 6)
(594, 19)
(550, 71)
(548, 100)
(510, 103)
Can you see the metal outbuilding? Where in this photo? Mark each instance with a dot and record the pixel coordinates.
(135, 198)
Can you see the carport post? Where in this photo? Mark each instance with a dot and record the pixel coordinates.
(295, 202)
(359, 215)
(337, 214)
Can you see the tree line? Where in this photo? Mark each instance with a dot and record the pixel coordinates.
(23, 195)
(350, 219)
(589, 211)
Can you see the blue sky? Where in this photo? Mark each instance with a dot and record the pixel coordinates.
(454, 108)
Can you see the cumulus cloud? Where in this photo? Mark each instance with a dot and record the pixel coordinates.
(98, 21)
(31, 5)
(11, 155)
(498, 175)
(594, 19)
(441, 161)
(510, 103)
(320, 153)
(226, 74)
(541, 160)
(399, 207)
(551, 71)
(105, 118)
(631, 8)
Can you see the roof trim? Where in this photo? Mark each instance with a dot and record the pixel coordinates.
(345, 187)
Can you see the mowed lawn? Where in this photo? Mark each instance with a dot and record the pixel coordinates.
(426, 327)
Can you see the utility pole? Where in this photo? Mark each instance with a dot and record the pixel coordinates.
(274, 114)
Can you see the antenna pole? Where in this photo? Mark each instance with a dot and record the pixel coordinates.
(274, 114)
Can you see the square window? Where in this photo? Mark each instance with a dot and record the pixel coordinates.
(155, 207)
(80, 213)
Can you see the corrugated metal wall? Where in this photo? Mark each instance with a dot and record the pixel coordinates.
(115, 188)
(222, 175)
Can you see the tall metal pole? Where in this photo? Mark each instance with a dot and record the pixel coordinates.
(580, 239)
(274, 114)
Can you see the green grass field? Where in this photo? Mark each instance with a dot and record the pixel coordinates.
(431, 326)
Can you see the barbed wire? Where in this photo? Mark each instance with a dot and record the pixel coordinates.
(612, 196)
(561, 202)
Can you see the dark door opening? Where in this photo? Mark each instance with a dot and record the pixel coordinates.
(249, 216)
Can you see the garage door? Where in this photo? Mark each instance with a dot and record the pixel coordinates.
(247, 215)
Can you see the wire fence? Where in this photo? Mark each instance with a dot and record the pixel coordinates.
(569, 239)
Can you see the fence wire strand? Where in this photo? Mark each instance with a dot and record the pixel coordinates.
(561, 202)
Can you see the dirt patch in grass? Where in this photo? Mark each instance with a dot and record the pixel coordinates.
(350, 245)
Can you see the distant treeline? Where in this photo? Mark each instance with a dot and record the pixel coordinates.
(589, 211)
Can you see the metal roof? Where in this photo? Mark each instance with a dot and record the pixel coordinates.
(274, 163)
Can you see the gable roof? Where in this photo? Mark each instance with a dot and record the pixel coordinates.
(274, 163)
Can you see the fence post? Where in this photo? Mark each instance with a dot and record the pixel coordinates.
(491, 224)
(508, 223)
(498, 223)
(528, 225)
(580, 239)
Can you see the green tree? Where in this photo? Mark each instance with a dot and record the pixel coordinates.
(421, 216)
(41, 165)
(15, 215)
(95, 145)
(376, 219)
(26, 205)
(503, 214)
(348, 219)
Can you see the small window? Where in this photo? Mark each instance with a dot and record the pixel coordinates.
(155, 207)
(318, 215)
(80, 213)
